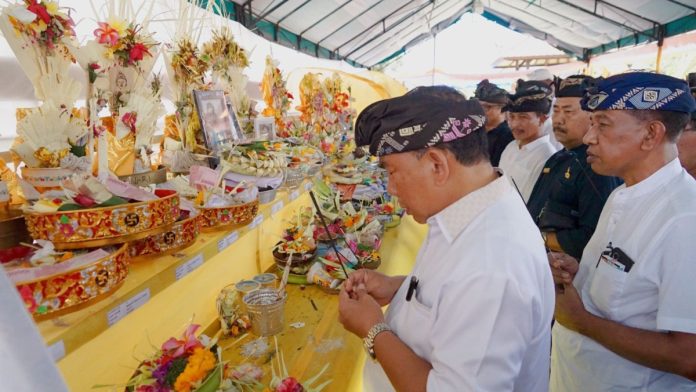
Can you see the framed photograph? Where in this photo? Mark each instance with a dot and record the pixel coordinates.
(218, 121)
(264, 128)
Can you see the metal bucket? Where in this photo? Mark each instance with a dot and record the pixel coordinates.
(266, 311)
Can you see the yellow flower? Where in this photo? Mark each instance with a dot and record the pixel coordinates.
(51, 7)
(119, 25)
(199, 365)
(39, 27)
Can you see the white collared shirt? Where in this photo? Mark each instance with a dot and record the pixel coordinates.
(524, 164)
(653, 222)
(482, 311)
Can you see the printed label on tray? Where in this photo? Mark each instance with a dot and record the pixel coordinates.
(257, 221)
(188, 266)
(127, 307)
(57, 350)
(228, 240)
(294, 195)
(308, 185)
(277, 207)
(19, 275)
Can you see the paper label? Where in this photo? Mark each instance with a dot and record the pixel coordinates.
(128, 307)
(294, 195)
(57, 350)
(227, 240)
(308, 185)
(277, 207)
(257, 221)
(189, 266)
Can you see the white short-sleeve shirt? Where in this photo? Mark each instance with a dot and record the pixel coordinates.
(653, 223)
(482, 312)
(524, 164)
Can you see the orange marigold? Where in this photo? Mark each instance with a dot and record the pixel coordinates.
(199, 365)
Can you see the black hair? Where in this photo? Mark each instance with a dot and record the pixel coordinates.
(468, 150)
(674, 122)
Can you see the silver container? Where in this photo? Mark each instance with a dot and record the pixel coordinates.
(266, 311)
(267, 196)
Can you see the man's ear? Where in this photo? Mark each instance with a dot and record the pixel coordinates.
(439, 164)
(542, 118)
(655, 134)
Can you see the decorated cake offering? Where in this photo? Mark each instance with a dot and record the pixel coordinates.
(220, 205)
(88, 214)
(297, 244)
(53, 282)
(51, 143)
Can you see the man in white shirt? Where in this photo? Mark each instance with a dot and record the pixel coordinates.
(687, 140)
(473, 315)
(523, 159)
(626, 316)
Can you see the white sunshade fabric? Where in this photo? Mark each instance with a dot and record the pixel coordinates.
(368, 31)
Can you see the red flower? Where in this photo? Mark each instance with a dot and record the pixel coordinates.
(40, 11)
(84, 201)
(94, 66)
(129, 119)
(289, 95)
(290, 384)
(106, 34)
(137, 52)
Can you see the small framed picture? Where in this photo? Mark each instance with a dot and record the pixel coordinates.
(218, 120)
(264, 128)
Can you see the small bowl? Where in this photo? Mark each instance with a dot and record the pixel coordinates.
(268, 196)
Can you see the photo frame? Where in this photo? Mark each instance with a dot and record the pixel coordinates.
(264, 128)
(218, 120)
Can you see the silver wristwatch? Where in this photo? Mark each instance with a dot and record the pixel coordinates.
(369, 340)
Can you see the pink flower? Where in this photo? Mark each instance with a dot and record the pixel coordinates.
(187, 344)
(290, 384)
(106, 34)
(129, 119)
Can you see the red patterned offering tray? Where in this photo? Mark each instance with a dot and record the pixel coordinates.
(53, 290)
(95, 227)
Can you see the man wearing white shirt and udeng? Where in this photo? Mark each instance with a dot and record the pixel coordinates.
(627, 320)
(524, 158)
(473, 315)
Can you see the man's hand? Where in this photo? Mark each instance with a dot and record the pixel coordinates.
(359, 312)
(563, 267)
(570, 311)
(381, 287)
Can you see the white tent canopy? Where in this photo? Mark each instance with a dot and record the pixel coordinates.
(368, 31)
